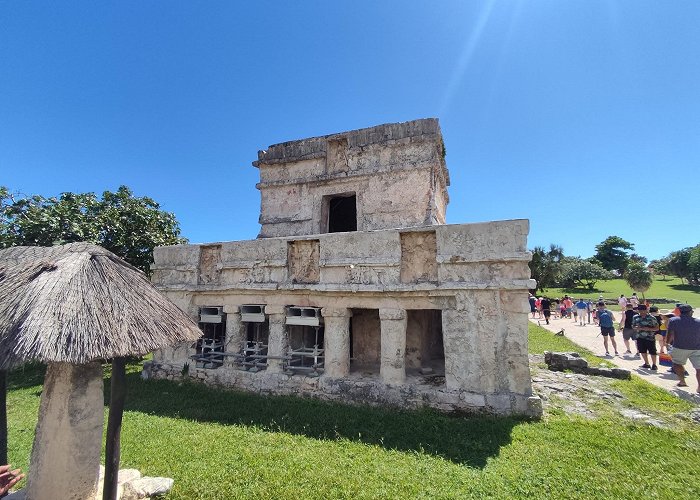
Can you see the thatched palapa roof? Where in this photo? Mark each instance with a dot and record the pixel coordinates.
(78, 303)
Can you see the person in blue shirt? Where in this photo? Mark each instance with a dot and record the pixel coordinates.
(605, 321)
(581, 307)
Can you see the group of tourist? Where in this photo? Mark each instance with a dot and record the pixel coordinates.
(675, 331)
(580, 310)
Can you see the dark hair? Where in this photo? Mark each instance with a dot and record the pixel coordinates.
(601, 303)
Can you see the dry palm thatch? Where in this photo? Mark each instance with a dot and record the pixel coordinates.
(78, 303)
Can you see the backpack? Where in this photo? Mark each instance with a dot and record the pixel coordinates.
(605, 318)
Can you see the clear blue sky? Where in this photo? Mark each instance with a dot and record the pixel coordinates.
(582, 116)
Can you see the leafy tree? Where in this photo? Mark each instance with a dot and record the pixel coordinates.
(694, 265)
(638, 277)
(544, 266)
(127, 225)
(582, 273)
(661, 266)
(678, 263)
(612, 254)
(633, 257)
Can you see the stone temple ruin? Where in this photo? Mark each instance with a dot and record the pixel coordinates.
(356, 290)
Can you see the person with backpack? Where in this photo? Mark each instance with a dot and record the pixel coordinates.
(546, 312)
(606, 321)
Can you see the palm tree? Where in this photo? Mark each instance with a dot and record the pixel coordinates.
(638, 277)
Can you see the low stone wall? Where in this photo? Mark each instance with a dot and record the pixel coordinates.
(416, 393)
(560, 361)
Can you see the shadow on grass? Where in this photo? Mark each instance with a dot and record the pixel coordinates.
(464, 440)
(582, 291)
(685, 288)
(29, 375)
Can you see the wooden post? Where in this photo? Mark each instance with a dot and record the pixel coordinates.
(114, 427)
(3, 417)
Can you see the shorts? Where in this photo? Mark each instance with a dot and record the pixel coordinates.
(532, 308)
(645, 345)
(547, 313)
(607, 331)
(681, 356)
(662, 333)
(629, 333)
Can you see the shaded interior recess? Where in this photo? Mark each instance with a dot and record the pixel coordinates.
(342, 214)
(305, 341)
(365, 341)
(251, 353)
(254, 350)
(208, 349)
(425, 351)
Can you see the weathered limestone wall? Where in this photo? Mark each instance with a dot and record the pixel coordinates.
(379, 164)
(475, 276)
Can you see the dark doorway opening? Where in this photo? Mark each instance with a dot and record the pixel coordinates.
(365, 341)
(342, 214)
(425, 350)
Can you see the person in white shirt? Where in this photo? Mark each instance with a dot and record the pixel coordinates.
(634, 300)
(622, 301)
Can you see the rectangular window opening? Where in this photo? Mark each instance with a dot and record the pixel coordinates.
(209, 348)
(342, 213)
(306, 342)
(253, 355)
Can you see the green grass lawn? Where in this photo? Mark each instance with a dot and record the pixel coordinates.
(221, 444)
(671, 288)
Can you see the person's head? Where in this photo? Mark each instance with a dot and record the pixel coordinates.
(653, 309)
(642, 308)
(634, 293)
(630, 305)
(601, 305)
(622, 295)
(686, 309)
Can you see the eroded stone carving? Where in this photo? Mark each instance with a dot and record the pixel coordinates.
(303, 261)
(210, 264)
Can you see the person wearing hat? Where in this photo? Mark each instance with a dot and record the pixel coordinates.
(684, 335)
(665, 315)
(646, 326)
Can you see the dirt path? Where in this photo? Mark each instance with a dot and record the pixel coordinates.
(587, 336)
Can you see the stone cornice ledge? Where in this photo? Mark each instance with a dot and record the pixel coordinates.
(418, 288)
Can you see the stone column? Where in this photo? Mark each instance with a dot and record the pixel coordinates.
(277, 342)
(337, 340)
(234, 333)
(68, 440)
(393, 361)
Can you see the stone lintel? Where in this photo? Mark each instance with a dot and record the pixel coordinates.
(392, 314)
(230, 309)
(339, 312)
(272, 310)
